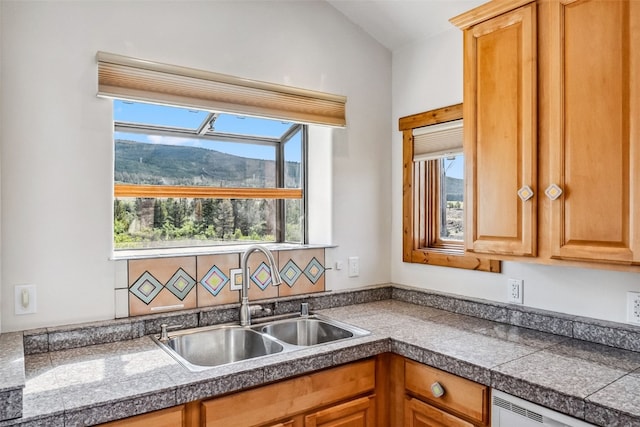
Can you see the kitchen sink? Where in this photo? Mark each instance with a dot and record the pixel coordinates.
(206, 347)
(202, 348)
(306, 331)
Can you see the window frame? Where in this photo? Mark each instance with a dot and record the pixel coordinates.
(279, 193)
(420, 201)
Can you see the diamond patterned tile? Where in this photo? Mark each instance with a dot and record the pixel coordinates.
(290, 273)
(262, 276)
(146, 288)
(214, 280)
(180, 284)
(314, 270)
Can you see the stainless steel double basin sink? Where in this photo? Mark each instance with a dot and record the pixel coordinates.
(202, 348)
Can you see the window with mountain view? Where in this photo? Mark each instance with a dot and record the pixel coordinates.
(186, 177)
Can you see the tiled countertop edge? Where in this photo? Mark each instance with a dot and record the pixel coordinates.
(612, 334)
(12, 374)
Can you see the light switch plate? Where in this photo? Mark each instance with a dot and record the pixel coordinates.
(25, 299)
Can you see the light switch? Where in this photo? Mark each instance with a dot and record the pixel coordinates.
(25, 299)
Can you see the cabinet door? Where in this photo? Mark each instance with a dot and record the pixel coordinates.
(269, 405)
(500, 128)
(294, 422)
(594, 128)
(355, 413)
(419, 414)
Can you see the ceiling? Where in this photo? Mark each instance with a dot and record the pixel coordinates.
(395, 23)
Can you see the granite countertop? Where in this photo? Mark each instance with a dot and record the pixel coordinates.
(99, 383)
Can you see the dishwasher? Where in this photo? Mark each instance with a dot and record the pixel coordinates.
(511, 411)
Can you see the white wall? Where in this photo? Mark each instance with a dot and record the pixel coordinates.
(56, 138)
(428, 75)
(0, 162)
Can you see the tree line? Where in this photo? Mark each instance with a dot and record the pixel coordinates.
(144, 222)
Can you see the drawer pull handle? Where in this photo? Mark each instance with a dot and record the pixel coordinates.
(437, 389)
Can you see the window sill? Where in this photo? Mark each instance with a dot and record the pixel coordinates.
(206, 250)
(448, 258)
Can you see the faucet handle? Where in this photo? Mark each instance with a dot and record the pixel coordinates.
(304, 309)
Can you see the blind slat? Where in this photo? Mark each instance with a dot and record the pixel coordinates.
(138, 80)
(435, 141)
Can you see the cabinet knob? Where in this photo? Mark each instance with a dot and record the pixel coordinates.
(553, 191)
(437, 389)
(525, 193)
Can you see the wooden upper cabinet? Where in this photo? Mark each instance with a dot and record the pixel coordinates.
(552, 101)
(500, 144)
(591, 63)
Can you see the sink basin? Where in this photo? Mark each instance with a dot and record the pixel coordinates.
(306, 331)
(219, 346)
(202, 348)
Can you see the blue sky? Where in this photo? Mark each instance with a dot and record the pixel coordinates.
(455, 167)
(142, 113)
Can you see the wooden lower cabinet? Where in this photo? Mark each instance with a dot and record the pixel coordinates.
(412, 403)
(355, 413)
(337, 397)
(419, 414)
(386, 391)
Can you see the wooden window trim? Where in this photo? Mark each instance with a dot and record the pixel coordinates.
(420, 242)
(159, 191)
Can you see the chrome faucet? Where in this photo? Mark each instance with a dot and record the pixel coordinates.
(245, 312)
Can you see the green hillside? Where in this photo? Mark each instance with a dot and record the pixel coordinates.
(139, 163)
(455, 187)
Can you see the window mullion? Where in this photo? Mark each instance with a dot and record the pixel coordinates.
(280, 213)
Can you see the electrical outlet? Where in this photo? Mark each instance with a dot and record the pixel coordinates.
(633, 307)
(515, 288)
(354, 266)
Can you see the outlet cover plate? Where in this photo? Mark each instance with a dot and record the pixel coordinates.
(515, 291)
(633, 307)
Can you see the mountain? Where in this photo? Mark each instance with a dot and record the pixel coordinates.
(140, 163)
(455, 188)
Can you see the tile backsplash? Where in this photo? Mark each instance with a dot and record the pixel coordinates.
(158, 285)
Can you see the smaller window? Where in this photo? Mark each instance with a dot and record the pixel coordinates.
(433, 203)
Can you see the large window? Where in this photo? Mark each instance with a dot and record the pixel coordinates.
(433, 187)
(205, 158)
(187, 177)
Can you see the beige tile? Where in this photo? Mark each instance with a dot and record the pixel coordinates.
(302, 258)
(255, 293)
(225, 263)
(165, 301)
(162, 269)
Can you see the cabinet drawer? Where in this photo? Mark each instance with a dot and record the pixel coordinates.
(287, 398)
(419, 414)
(462, 397)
